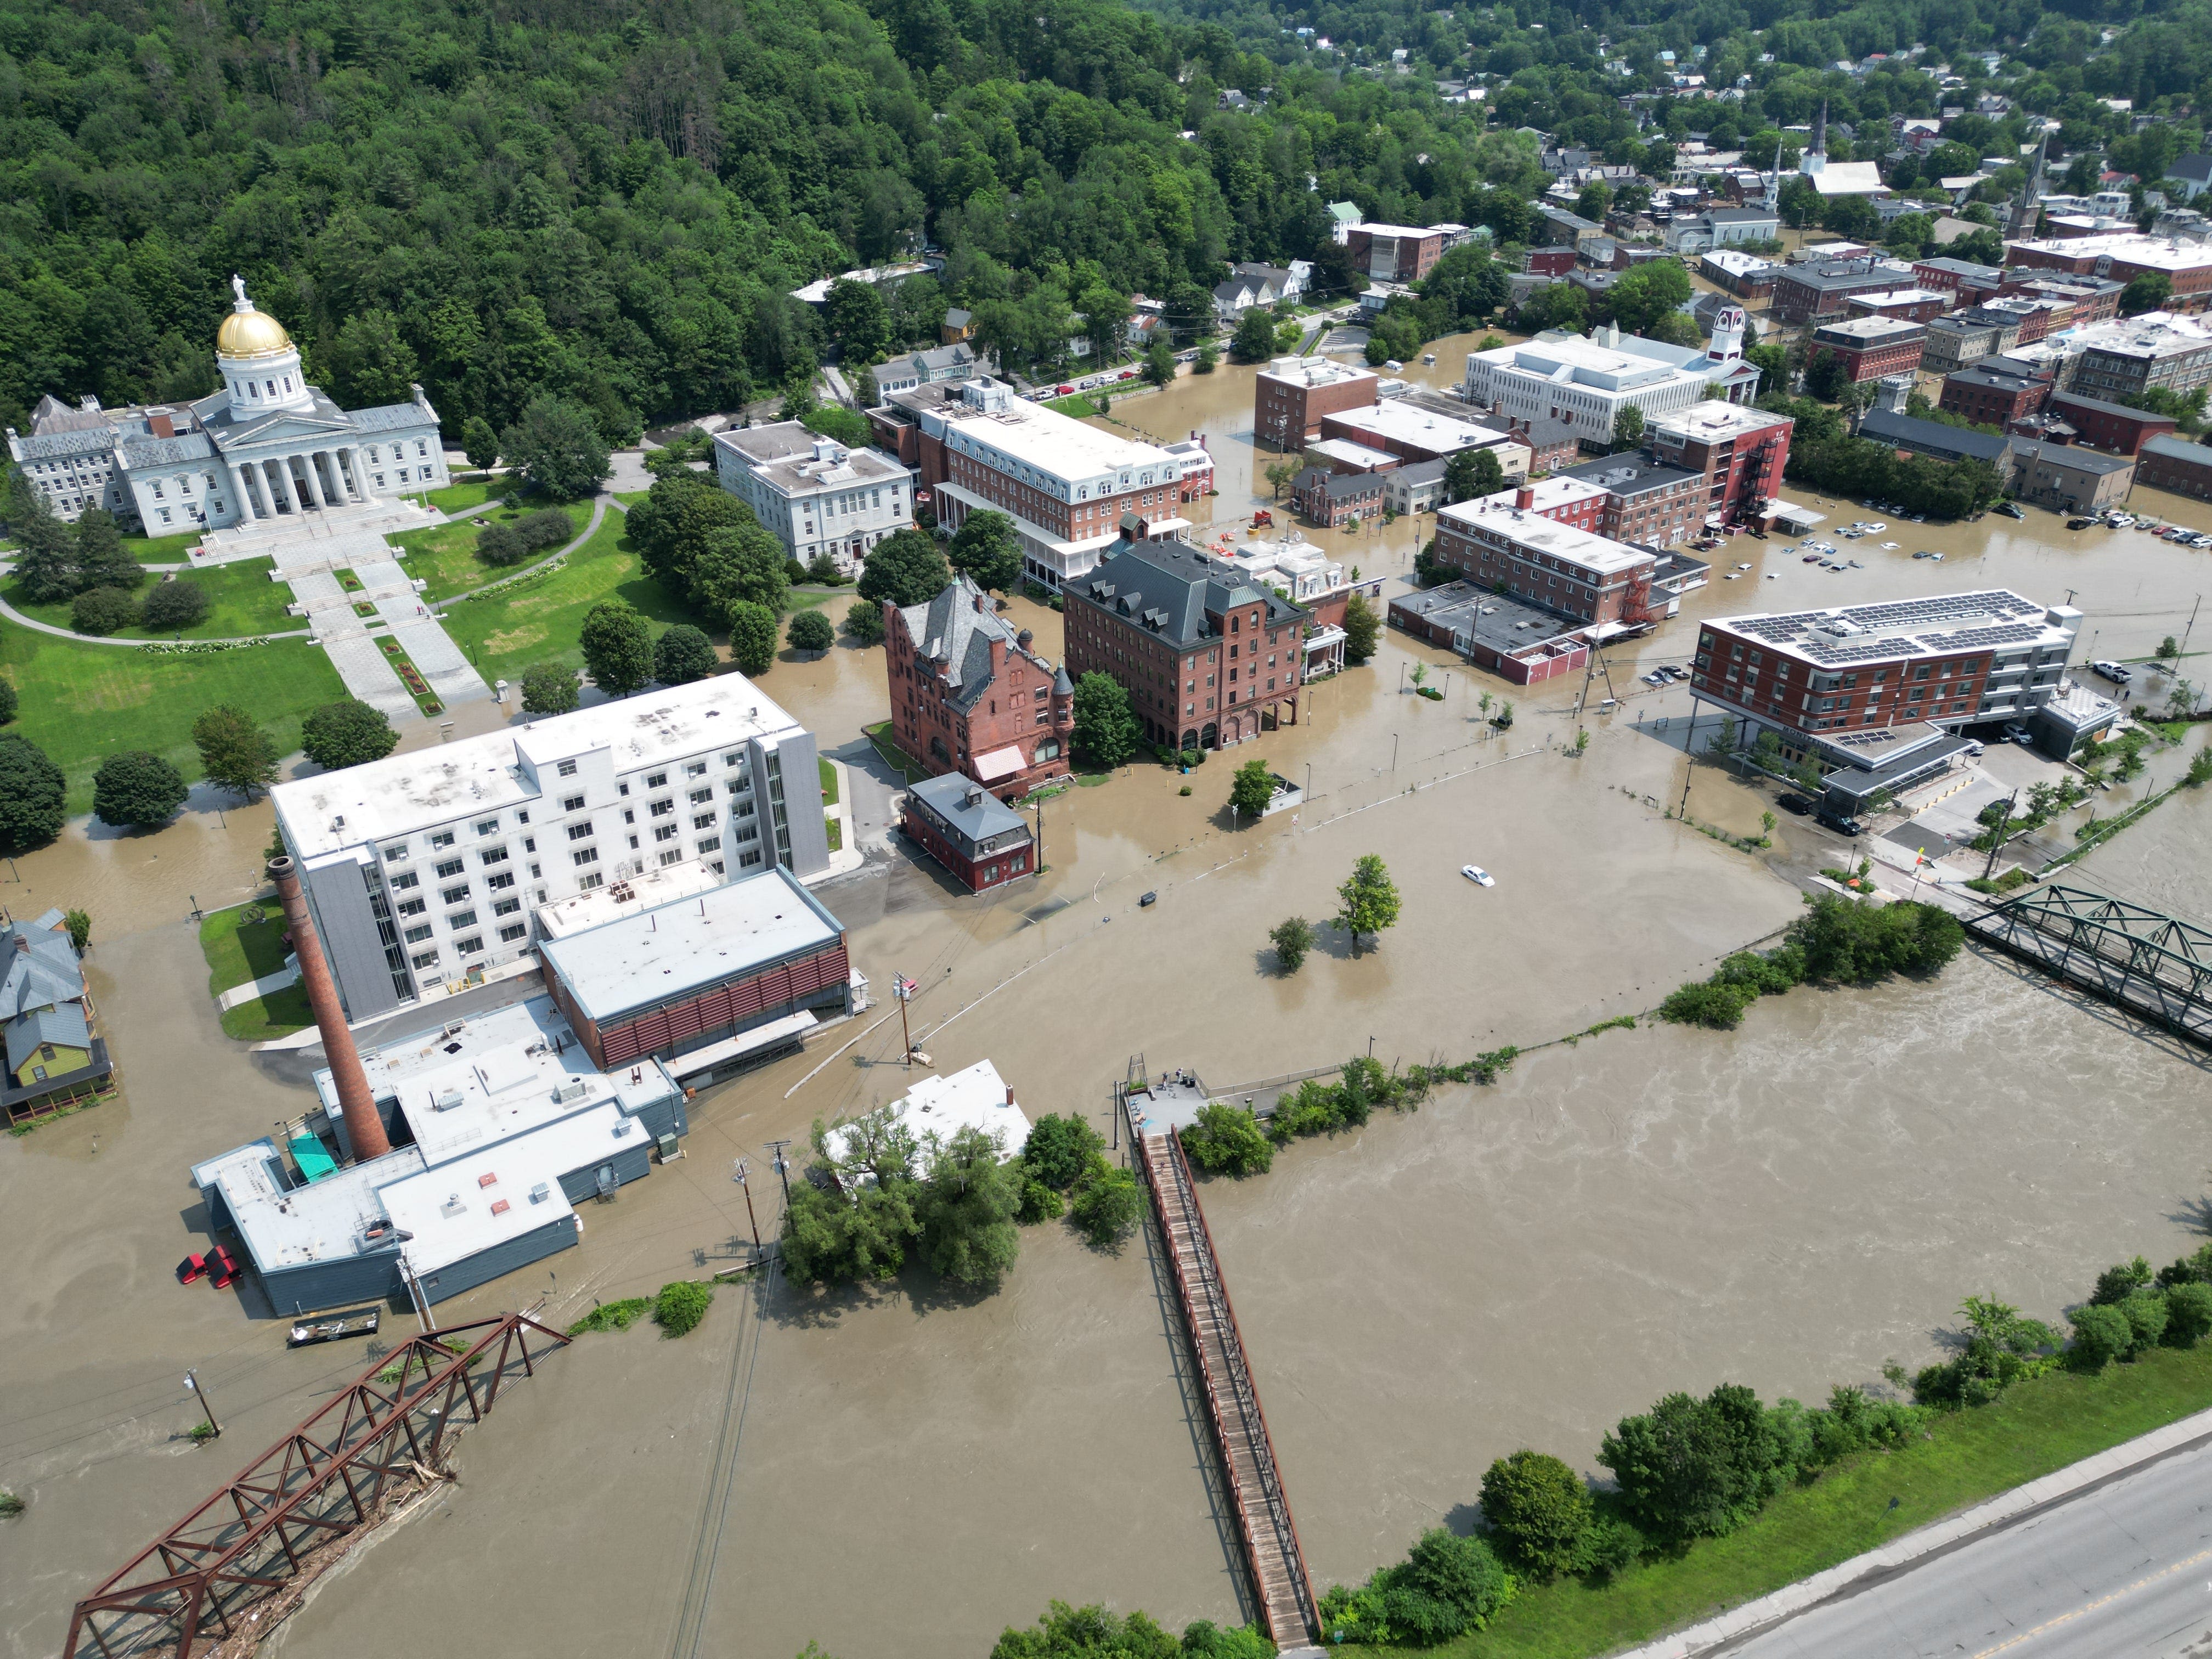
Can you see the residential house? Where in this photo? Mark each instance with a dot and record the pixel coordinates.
(54, 1055)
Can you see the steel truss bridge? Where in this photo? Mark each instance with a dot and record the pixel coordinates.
(2156, 966)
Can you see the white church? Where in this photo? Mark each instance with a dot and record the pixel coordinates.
(266, 451)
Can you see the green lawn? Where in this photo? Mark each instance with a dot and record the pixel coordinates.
(81, 703)
(2036, 1428)
(241, 601)
(538, 621)
(468, 493)
(239, 951)
(160, 550)
(886, 747)
(1081, 404)
(828, 782)
(446, 556)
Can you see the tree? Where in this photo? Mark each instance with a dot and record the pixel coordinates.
(1208, 359)
(1092, 1632)
(102, 610)
(859, 321)
(2149, 292)
(479, 443)
(1105, 321)
(752, 637)
(45, 561)
(1228, 1140)
(966, 1208)
(2169, 649)
(1369, 899)
(1106, 1202)
(369, 364)
(79, 923)
(549, 526)
(1362, 627)
(173, 605)
(101, 560)
(1060, 1149)
(906, 568)
(1254, 341)
(1159, 362)
(1471, 475)
(1292, 939)
(1251, 786)
(988, 549)
(1538, 1510)
(32, 792)
(549, 687)
(1627, 427)
(682, 655)
(863, 621)
(1825, 376)
(809, 630)
(349, 733)
(498, 545)
(555, 446)
(236, 754)
(1646, 293)
(1107, 731)
(135, 790)
(830, 1237)
(617, 646)
(7, 700)
(1691, 1468)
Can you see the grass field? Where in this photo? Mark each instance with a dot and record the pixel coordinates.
(160, 550)
(446, 556)
(81, 703)
(538, 621)
(828, 782)
(2036, 1428)
(239, 952)
(467, 493)
(1082, 406)
(241, 601)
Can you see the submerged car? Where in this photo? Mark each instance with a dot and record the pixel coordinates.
(1478, 875)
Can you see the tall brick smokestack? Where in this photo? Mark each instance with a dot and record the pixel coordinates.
(364, 1129)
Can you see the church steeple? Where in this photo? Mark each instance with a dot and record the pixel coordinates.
(1815, 158)
(2028, 207)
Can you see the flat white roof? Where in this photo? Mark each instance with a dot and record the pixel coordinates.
(1399, 230)
(1571, 359)
(2152, 253)
(1357, 454)
(403, 794)
(1408, 423)
(1548, 538)
(627, 896)
(937, 1108)
(1548, 496)
(1716, 419)
(1736, 263)
(661, 954)
(1314, 371)
(1059, 448)
(1869, 329)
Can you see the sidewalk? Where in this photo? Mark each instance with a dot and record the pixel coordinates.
(1929, 1542)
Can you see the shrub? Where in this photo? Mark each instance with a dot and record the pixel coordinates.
(8, 701)
(680, 1306)
(1060, 1149)
(2147, 1319)
(1538, 1510)
(863, 621)
(1228, 1140)
(175, 604)
(11, 1506)
(1446, 1586)
(2188, 1314)
(1106, 1202)
(809, 630)
(2002, 1348)
(2117, 1284)
(1610, 1548)
(103, 610)
(500, 545)
(1692, 1468)
(547, 527)
(682, 655)
(822, 570)
(1203, 1639)
(1291, 938)
(134, 789)
(347, 733)
(1720, 1007)
(612, 1315)
(2102, 1334)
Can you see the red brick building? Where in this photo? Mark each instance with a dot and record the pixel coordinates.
(2175, 463)
(984, 842)
(1870, 347)
(1546, 561)
(1329, 498)
(1911, 305)
(1738, 449)
(1395, 253)
(1209, 656)
(2114, 428)
(1548, 261)
(1990, 397)
(970, 695)
(1968, 282)
(2121, 258)
(1293, 395)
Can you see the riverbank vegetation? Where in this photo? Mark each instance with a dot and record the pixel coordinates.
(1092, 1632)
(1840, 941)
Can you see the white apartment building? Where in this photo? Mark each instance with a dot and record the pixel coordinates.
(422, 868)
(1066, 485)
(812, 492)
(1586, 382)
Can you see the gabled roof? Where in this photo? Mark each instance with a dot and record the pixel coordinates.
(1170, 588)
(956, 628)
(38, 968)
(1931, 437)
(2196, 169)
(63, 1026)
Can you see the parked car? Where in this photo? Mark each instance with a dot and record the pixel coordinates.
(2079, 523)
(2009, 509)
(1842, 823)
(2015, 732)
(2116, 673)
(1478, 875)
(191, 1267)
(223, 1266)
(1795, 804)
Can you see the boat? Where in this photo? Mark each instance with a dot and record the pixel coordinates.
(331, 1328)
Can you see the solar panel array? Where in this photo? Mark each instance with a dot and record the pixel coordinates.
(1901, 628)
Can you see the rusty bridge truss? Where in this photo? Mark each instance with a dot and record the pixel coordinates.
(2156, 966)
(201, 1581)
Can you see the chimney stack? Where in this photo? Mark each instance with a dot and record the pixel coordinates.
(364, 1129)
(1524, 498)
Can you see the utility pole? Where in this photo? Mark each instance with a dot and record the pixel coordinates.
(783, 1169)
(738, 1176)
(2186, 632)
(193, 1386)
(1997, 834)
(901, 987)
(1037, 859)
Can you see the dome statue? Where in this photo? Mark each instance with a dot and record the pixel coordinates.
(248, 332)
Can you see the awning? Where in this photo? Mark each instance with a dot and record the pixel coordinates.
(998, 764)
(791, 1028)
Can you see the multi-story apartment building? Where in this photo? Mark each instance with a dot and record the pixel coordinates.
(1958, 341)
(1290, 395)
(1559, 565)
(1395, 253)
(2124, 359)
(2187, 266)
(812, 492)
(1210, 657)
(1966, 282)
(1305, 574)
(1738, 449)
(1990, 397)
(970, 694)
(1068, 486)
(2114, 427)
(1643, 500)
(2178, 464)
(425, 866)
(1913, 305)
(1870, 347)
(1413, 432)
(1816, 293)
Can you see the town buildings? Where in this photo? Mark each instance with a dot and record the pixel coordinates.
(1395, 253)
(1411, 432)
(1641, 500)
(935, 1109)
(1912, 305)
(1990, 397)
(420, 869)
(970, 694)
(56, 1055)
(2121, 257)
(1912, 436)
(266, 449)
(983, 841)
(1722, 227)
(1329, 498)
(953, 360)
(1737, 449)
(1585, 383)
(812, 492)
(2124, 359)
(1563, 566)
(1819, 291)
(1958, 341)
(1522, 644)
(2178, 464)
(2068, 478)
(1308, 576)
(1968, 284)
(1210, 656)
(2114, 427)
(1870, 347)
(1293, 395)
(1745, 275)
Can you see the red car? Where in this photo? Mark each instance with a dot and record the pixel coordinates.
(1064, 390)
(224, 1266)
(191, 1267)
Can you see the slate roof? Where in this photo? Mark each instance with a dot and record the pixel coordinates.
(2070, 455)
(2196, 169)
(162, 451)
(950, 629)
(2098, 406)
(968, 807)
(956, 317)
(86, 441)
(1932, 437)
(1628, 475)
(63, 1026)
(45, 974)
(1170, 587)
(1338, 486)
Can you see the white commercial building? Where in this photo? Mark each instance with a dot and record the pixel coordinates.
(1586, 383)
(421, 867)
(812, 492)
(268, 449)
(936, 1109)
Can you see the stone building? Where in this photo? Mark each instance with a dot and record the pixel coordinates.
(970, 695)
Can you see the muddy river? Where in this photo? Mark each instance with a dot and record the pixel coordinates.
(900, 1470)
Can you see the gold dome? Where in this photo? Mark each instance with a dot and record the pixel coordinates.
(250, 333)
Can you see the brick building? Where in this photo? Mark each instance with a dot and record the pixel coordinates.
(1745, 275)
(1957, 340)
(2068, 478)
(1522, 644)
(983, 841)
(1395, 253)
(1912, 305)
(1870, 347)
(2112, 427)
(2121, 258)
(1292, 395)
(1990, 397)
(1643, 500)
(1210, 658)
(1413, 432)
(970, 695)
(1559, 565)
(1329, 498)
(1738, 449)
(2124, 359)
(1967, 282)
(1815, 293)
(2178, 464)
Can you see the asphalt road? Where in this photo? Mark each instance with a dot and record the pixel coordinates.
(2120, 1572)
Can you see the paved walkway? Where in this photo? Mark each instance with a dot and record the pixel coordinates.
(367, 673)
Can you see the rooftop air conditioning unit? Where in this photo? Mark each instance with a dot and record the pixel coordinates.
(575, 1090)
(448, 1099)
(540, 1193)
(453, 1206)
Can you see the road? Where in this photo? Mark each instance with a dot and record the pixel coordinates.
(2121, 1571)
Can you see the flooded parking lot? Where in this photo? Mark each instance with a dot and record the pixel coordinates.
(1788, 1206)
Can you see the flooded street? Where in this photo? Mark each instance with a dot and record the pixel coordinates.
(901, 1471)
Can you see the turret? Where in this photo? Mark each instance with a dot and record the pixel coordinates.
(1063, 702)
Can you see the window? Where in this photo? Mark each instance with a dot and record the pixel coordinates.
(585, 883)
(735, 786)
(418, 935)
(501, 882)
(573, 804)
(494, 855)
(462, 919)
(395, 855)
(746, 860)
(584, 855)
(701, 797)
(468, 947)
(507, 907)
(567, 770)
(662, 808)
(443, 838)
(579, 831)
(665, 832)
(513, 932)
(658, 780)
(403, 881)
(413, 907)
(450, 867)
(695, 770)
(673, 855)
(424, 959)
(487, 826)
(708, 844)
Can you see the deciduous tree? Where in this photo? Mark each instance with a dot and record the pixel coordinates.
(809, 630)
(617, 646)
(235, 753)
(133, 789)
(1292, 939)
(1368, 900)
(1362, 627)
(988, 548)
(348, 733)
(549, 687)
(32, 791)
(1107, 731)
(557, 447)
(752, 637)
(1251, 786)
(1538, 1510)
(682, 654)
(905, 568)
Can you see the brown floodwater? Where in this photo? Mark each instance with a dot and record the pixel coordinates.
(1788, 1204)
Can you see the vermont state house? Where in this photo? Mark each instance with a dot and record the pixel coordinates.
(264, 450)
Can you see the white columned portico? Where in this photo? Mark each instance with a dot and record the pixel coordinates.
(308, 494)
(279, 495)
